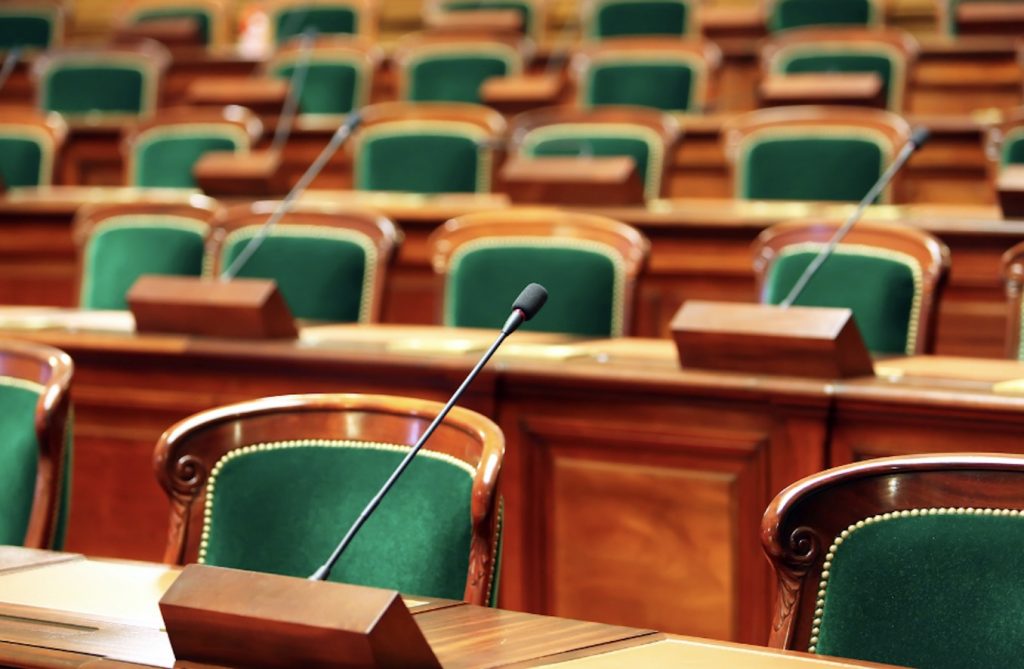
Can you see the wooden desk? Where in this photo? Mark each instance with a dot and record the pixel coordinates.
(111, 608)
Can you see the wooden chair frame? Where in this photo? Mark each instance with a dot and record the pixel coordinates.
(382, 233)
(802, 521)
(1013, 275)
(188, 451)
(590, 8)
(626, 241)
(416, 46)
(48, 128)
(367, 10)
(55, 8)
(51, 369)
(218, 11)
(930, 254)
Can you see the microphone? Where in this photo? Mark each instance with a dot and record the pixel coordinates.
(524, 308)
(339, 137)
(295, 85)
(918, 137)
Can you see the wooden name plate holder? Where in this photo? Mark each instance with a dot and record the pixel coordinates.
(516, 94)
(814, 342)
(990, 18)
(476, 21)
(1010, 186)
(262, 95)
(240, 308)
(252, 174)
(600, 180)
(835, 88)
(247, 619)
(170, 31)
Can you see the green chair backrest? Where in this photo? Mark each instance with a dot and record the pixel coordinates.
(669, 83)
(642, 144)
(828, 163)
(1011, 150)
(26, 27)
(292, 21)
(885, 297)
(200, 16)
(164, 156)
(449, 73)
(334, 85)
(932, 587)
(323, 273)
(883, 60)
(108, 85)
(621, 18)
(423, 157)
(586, 281)
(416, 542)
(19, 456)
(26, 155)
(122, 248)
(525, 9)
(796, 13)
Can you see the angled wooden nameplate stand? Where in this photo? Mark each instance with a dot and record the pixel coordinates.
(229, 174)
(476, 21)
(518, 94)
(863, 89)
(247, 619)
(171, 32)
(240, 308)
(990, 18)
(262, 95)
(1010, 187)
(814, 342)
(605, 180)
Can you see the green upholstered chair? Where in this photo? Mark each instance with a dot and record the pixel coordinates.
(888, 53)
(1013, 275)
(426, 148)
(666, 74)
(291, 18)
(29, 144)
(890, 276)
(338, 80)
(272, 484)
(602, 19)
(533, 13)
(101, 84)
(211, 16)
(35, 444)
(119, 243)
(786, 14)
(452, 68)
(813, 153)
(31, 24)
(162, 152)
(1004, 143)
(910, 560)
(645, 135)
(329, 263)
(589, 265)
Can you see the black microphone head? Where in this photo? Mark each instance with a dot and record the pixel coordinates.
(531, 300)
(919, 136)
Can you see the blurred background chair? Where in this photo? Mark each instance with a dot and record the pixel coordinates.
(339, 78)
(786, 14)
(426, 148)
(533, 14)
(29, 145)
(32, 24)
(212, 18)
(907, 560)
(812, 153)
(602, 19)
(230, 475)
(452, 68)
(35, 449)
(119, 243)
(329, 263)
(890, 276)
(588, 263)
(291, 18)
(1013, 275)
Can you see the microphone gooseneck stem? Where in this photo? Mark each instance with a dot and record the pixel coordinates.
(337, 139)
(809, 272)
(324, 571)
(295, 85)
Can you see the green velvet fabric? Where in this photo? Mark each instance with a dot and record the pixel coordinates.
(452, 78)
(117, 256)
(524, 9)
(199, 16)
(844, 62)
(796, 13)
(329, 88)
(168, 162)
(935, 592)
(320, 278)
(580, 144)
(416, 542)
(321, 20)
(646, 17)
(665, 86)
(23, 30)
(19, 459)
(74, 89)
(20, 159)
(427, 162)
(813, 168)
(881, 296)
(581, 284)
(1012, 151)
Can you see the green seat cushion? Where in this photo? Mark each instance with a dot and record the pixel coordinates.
(19, 456)
(524, 9)
(584, 283)
(1012, 152)
(22, 161)
(796, 13)
(936, 590)
(416, 542)
(323, 20)
(453, 77)
(201, 18)
(576, 141)
(23, 28)
(665, 86)
(329, 87)
(884, 297)
(322, 273)
(425, 161)
(817, 167)
(879, 64)
(166, 159)
(645, 17)
(122, 249)
(80, 88)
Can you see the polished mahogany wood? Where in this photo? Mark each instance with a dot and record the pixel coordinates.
(835, 88)
(171, 32)
(1010, 187)
(989, 18)
(241, 175)
(515, 94)
(1013, 275)
(602, 180)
